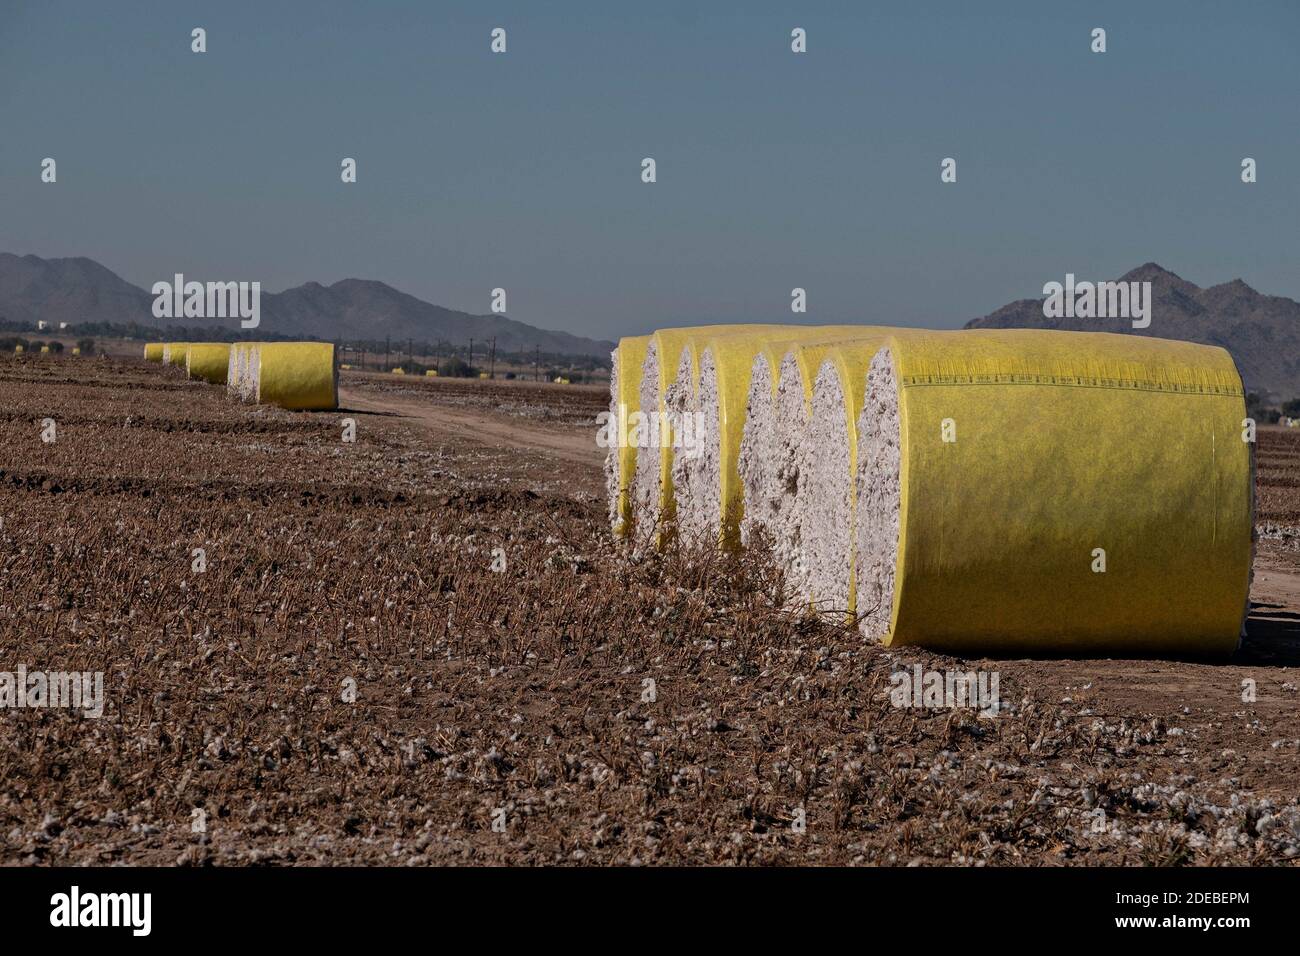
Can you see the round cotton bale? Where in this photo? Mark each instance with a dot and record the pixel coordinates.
(240, 380)
(1053, 492)
(174, 353)
(301, 376)
(153, 352)
(666, 379)
(248, 371)
(825, 506)
(252, 369)
(431, 373)
(234, 366)
(620, 448)
(18, 349)
(706, 482)
(758, 446)
(209, 361)
(777, 409)
(45, 349)
(772, 460)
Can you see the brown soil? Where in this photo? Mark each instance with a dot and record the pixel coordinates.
(525, 690)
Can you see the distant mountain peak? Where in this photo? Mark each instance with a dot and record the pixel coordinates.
(1234, 285)
(1262, 332)
(1158, 276)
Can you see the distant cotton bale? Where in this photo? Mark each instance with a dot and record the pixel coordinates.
(174, 353)
(153, 352)
(237, 350)
(208, 361)
(18, 349)
(251, 370)
(399, 371)
(76, 350)
(431, 373)
(45, 349)
(240, 379)
(249, 363)
(301, 376)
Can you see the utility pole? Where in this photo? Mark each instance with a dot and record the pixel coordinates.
(387, 343)
(537, 365)
(492, 362)
(471, 353)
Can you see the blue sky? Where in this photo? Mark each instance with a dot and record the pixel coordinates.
(775, 170)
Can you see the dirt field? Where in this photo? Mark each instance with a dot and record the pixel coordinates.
(504, 717)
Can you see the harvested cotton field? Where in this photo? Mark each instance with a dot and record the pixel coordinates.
(525, 689)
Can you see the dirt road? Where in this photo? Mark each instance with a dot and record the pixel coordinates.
(570, 444)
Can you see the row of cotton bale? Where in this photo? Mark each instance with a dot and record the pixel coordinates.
(302, 376)
(982, 490)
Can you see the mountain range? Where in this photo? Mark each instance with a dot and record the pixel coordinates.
(1262, 332)
(81, 290)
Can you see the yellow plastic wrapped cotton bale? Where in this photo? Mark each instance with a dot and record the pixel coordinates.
(771, 462)
(825, 496)
(235, 366)
(209, 361)
(153, 352)
(242, 379)
(709, 495)
(616, 433)
(1053, 492)
(249, 363)
(668, 378)
(301, 376)
(651, 489)
(776, 410)
(246, 374)
(174, 353)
